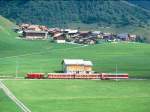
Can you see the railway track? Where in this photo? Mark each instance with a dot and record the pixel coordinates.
(13, 98)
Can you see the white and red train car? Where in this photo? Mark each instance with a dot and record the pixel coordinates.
(60, 76)
(88, 76)
(73, 76)
(114, 76)
(102, 76)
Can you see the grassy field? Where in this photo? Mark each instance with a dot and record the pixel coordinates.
(82, 95)
(6, 105)
(73, 95)
(130, 58)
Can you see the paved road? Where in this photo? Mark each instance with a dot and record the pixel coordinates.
(13, 98)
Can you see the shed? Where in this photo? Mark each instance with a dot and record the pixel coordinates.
(77, 66)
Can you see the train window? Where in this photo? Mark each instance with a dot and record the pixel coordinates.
(77, 72)
(87, 72)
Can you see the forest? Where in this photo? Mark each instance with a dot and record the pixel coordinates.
(60, 13)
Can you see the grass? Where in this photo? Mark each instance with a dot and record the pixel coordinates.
(82, 95)
(73, 95)
(130, 58)
(6, 105)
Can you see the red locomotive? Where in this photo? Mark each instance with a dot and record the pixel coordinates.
(35, 76)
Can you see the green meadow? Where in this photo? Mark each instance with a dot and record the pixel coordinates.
(18, 57)
(82, 95)
(6, 105)
(132, 58)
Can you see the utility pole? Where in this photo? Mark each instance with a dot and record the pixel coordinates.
(40, 69)
(116, 71)
(17, 66)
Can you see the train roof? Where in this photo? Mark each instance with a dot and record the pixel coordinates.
(114, 73)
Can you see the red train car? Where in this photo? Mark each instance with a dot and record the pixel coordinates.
(35, 76)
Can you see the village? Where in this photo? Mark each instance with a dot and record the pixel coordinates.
(58, 35)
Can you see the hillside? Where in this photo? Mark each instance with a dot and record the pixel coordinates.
(11, 46)
(61, 13)
(6, 34)
(142, 3)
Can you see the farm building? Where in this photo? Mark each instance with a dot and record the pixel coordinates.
(59, 38)
(132, 37)
(123, 36)
(77, 66)
(31, 34)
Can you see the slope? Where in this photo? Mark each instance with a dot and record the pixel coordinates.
(142, 3)
(11, 46)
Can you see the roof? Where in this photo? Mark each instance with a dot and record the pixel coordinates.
(33, 26)
(89, 63)
(71, 31)
(32, 31)
(58, 34)
(96, 32)
(114, 73)
(123, 35)
(134, 36)
(84, 32)
(77, 62)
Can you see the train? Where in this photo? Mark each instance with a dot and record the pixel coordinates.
(100, 76)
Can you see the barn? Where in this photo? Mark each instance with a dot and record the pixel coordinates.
(77, 66)
(31, 34)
